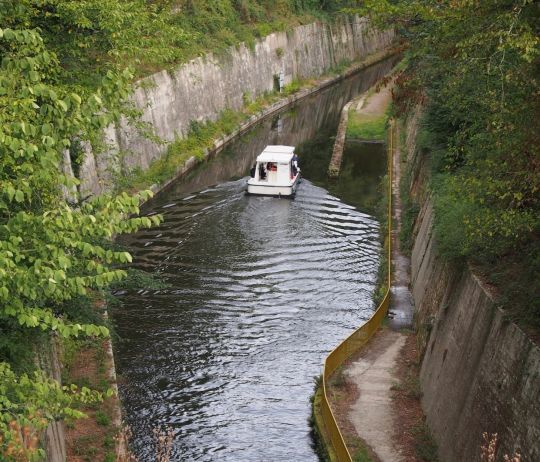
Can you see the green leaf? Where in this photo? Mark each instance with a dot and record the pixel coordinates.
(75, 97)
(63, 105)
(46, 129)
(19, 196)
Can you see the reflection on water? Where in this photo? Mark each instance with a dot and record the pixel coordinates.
(261, 289)
(361, 171)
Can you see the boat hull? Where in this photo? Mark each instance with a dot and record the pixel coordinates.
(272, 190)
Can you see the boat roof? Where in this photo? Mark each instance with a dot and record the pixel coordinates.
(277, 153)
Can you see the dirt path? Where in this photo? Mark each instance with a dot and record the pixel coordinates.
(376, 103)
(372, 414)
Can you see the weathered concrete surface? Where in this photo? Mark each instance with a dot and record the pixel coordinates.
(401, 312)
(372, 414)
(201, 89)
(376, 104)
(480, 372)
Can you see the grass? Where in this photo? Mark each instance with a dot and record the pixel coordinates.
(362, 455)
(102, 418)
(341, 67)
(367, 127)
(424, 445)
(292, 87)
(410, 386)
(318, 433)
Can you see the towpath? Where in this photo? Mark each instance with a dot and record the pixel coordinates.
(375, 104)
(368, 409)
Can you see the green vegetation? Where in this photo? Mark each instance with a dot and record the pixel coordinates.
(54, 258)
(102, 419)
(424, 444)
(367, 126)
(474, 67)
(341, 66)
(88, 36)
(292, 87)
(362, 455)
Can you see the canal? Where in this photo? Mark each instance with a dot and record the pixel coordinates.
(259, 290)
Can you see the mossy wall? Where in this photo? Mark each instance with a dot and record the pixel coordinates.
(479, 372)
(201, 89)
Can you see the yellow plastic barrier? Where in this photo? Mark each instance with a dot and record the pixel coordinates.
(359, 337)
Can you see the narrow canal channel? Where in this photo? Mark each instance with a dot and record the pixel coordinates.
(260, 290)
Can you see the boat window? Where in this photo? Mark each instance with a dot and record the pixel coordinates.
(263, 175)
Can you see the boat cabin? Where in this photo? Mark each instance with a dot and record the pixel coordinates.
(275, 172)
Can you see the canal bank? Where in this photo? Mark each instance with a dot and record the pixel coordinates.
(479, 372)
(470, 371)
(306, 89)
(337, 393)
(203, 90)
(373, 393)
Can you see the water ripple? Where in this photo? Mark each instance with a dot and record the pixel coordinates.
(260, 290)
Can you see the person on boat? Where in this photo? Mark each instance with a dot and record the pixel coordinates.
(262, 172)
(294, 161)
(253, 170)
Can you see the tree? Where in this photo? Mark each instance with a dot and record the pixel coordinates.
(475, 65)
(50, 251)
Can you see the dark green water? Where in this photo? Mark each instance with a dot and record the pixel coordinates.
(261, 289)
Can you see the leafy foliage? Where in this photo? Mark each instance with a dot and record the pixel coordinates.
(474, 65)
(51, 251)
(45, 400)
(63, 78)
(90, 35)
(47, 249)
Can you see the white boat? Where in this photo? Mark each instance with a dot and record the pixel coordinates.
(275, 172)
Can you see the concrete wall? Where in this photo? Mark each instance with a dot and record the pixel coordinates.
(201, 89)
(480, 372)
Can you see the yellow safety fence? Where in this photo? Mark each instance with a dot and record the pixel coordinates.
(359, 337)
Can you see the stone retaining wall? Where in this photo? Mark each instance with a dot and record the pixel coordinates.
(201, 89)
(480, 372)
